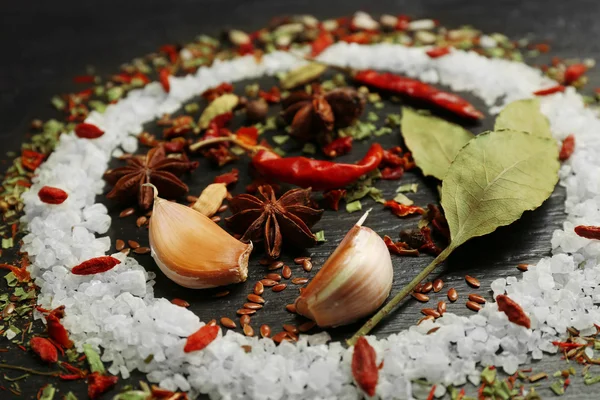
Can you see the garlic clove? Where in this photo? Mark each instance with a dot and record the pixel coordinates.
(353, 283)
(192, 250)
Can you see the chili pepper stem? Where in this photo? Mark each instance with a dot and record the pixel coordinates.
(375, 319)
(28, 370)
(208, 142)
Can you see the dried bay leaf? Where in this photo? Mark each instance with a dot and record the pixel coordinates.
(524, 115)
(432, 141)
(221, 105)
(302, 75)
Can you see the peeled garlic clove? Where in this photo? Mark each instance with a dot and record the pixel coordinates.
(353, 283)
(192, 250)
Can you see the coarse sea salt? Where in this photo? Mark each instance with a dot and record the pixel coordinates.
(118, 312)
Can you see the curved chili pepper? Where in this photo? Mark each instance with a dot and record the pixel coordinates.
(418, 90)
(317, 174)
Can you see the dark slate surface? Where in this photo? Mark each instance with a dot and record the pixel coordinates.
(46, 44)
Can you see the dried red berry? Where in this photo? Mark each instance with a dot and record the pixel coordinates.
(95, 265)
(202, 338)
(52, 195)
(44, 349)
(364, 366)
(588, 232)
(99, 384)
(436, 52)
(513, 311)
(163, 77)
(88, 131)
(567, 148)
(574, 72)
(323, 41)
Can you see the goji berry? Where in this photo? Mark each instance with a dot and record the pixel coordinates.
(88, 131)
(163, 77)
(44, 349)
(99, 384)
(567, 148)
(31, 159)
(323, 41)
(574, 72)
(57, 331)
(588, 232)
(513, 311)
(95, 265)
(436, 52)
(364, 366)
(52, 195)
(202, 338)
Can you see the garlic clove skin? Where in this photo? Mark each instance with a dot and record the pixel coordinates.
(353, 283)
(192, 250)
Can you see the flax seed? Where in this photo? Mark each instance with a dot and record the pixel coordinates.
(427, 287)
(418, 288)
(265, 331)
(307, 326)
(452, 295)
(275, 265)
(125, 251)
(216, 219)
(476, 298)
(228, 323)
(300, 260)
(274, 277)
(119, 245)
(438, 285)
(286, 272)
(141, 221)
(246, 311)
(299, 281)
(278, 338)
(433, 330)
(142, 250)
(133, 244)
(523, 267)
(245, 320)
(471, 305)
(180, 302)
(290, 328)
(441, 307)
(430, 311)
(291, 308)
(248, 331)
(126, 212)
(425, 318)
(279, 288)
(212, 322)
(421, 297)
(222, 293)
(253, 306)
(268, 282)
(307, 265)
(223, 208)
(292, 336)
(256, 298)
(265, 261)
(247, 348)
(258, 288)
(473, 282)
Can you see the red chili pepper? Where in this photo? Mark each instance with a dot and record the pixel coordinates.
(588, 232)
(88, 131)
(338, 147)
(247, 135)
(44, 349)
(567, 148)
(332, 198)
(323, 41)
(52, 195)
(272, 96)
(99, 384)
(31, 159)
(20, 273)
(574, 72)
(392, 173)
(202, 338)
(550, 90)
(418, 90)
(318, 174)
(364, 366)
(84, 79)
(431, 393)
(163, 77)
(57, 331)
(70, 377)
(437, 52)
(95, 265)
(402, 210)
(228, 178)
(513, 311)
(399, 248)
(217, 91)
(567, 345)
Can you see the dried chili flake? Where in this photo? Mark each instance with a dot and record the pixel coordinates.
(84, 79)
(163, 77)
(323, 41)
(588, 232)
(52, 195)
(403, 22)
(402, 210)
(74, 372)
(171, 51)
(57, 332)
(567, 345)
(95, 265)
(31, 159)
(248, 135)
(217, 91)
(567, 148)
(245, 49)
(399, 248)
(392, 157)
(174, 146)
(438, 220)
(364, 366)
(44, 349)
(88, 131)
(272, 96)
(332, 198)
(392, 173)
(20, 273)
(359, 38)
(513, 311)
(338, 147)
(220, 155)
(202, 338)
(437, 52)
(222, 120)
(574, 72)
(228, 178)
(140, 78)
(99, 384)
(550, 90)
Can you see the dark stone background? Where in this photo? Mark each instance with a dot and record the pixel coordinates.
(45, 44)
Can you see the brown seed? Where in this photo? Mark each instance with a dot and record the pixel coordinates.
(291, 308)
(292, 336)
(307, 265)
(286, 272)
(441, 307)
(212, 322)
(247, 348)
(228, 323)
(216, 219)
(523, 267)
(126, 251)
(307, 326)
(289, 328)
(425, 318)
(278, 338)
(224, 207)
(141, 221)
(418, 288)
(427, 287)
(452, 295)
(431, 311)
(421, 297)
(265, 261)
(248, 331)
(245, 320)
(253, 306)
(133, 244)
(438, 284)
(433, 330)
(222, 293)
(473, 282)
(246, 311)
(142, 250)
(256, 298)
(258, 288)
(471, 305)
(476, 298)
(126, 212)
(265, 331)
(274, 277)
(8, 309)
(180, 302)
(299, 281)
(275, 265)
(268, 282)
(300, 260)
(119, 245)
(279, 288)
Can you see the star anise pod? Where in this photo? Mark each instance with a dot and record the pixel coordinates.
(155, 168)
(313, 114)
(269, 219)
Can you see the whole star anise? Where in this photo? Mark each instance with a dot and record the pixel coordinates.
(313, 114)
(155, 168)
(267, 218)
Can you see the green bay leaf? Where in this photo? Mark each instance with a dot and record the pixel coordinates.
(302, 75)
(494, 179)
(221, 105)
(524, 115)
(432, 141)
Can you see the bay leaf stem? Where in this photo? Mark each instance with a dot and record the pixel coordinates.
(382, 313)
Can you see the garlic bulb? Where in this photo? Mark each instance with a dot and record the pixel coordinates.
(192, 250)
(353, 283)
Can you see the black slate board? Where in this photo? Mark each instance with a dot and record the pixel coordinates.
(45, 46)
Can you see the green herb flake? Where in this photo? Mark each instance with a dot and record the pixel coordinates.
(72, 355)
(309, 148)
(58, 103)
(384, 130)
(192, 107)
(238, 151)
(97, 105)
(133, 395)
(280, 139)
(374, 97)
(320, 236)
(393, 120)
(7, 243)
(24, 295)
(11, 279)
(114, 93)
(590, 379)
(70, 396)
(279, 151)
(47, 393)
(149, 359)
(402, 199)
(488, 375)
(252, 90)
(558, 387)
(353, 206)
(93, 359)
(408, 187)
(371, 116)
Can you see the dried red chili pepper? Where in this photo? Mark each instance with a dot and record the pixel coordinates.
(21, 273)
(99, 384)
(228, 178)
(437, 52)
(567, 345)
(418, 90)
(318, 174)
(88, 131)
(392, 173)
(44, 349)
(588, 232)
(31, 159)
(323, 41)
(73, 370)
(163, 77)
(84, 79)
(95, 265)
(438, 220)
(364, 366)
(217, 91)
(550, 90)
(52, 195)
(567, 148)
(245, 49)
(69, 377)
(513, 311)
(57, 331)
(574, 72)
(402, 210)
(202, 338)
(338, 147)
(332, 198)
(431, 395)
(174, 146)
(272, 96)
(399, 248)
